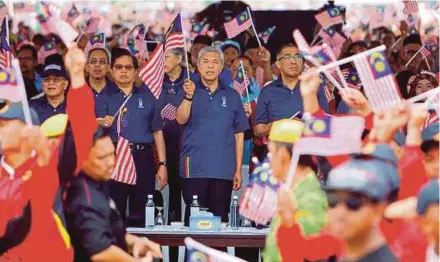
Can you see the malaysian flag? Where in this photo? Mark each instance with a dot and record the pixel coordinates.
(259, 199)
(169, 112)
(241, 81)
(259, 76)
(97, 41)
(328, 90)
(266, 34)
(92, 25)
(197, 252)
(67, 33)
(71, 15)
(351, 78)
(174, 36)
(334, 39)
(47, 22)
(410, 7)
(125, 170)
(3, 10)
(413, 22)
(48, 48)
(329, 17)
(378, 81)
(9, 88)
(239, 24)
(198, 29)
(5, 51)
(152, 71)
(302, 44)
(430, 46)
(23, 7)
(328, 135)
(139, 47)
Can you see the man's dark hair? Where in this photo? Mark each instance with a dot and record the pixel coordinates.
(107, 54)
(30, 48)
(120, 52)
(283, 47)
(38, 38)
(412, 39)
(100, 133)
(244, 57)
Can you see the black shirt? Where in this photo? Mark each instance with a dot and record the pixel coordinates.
(93, 222)
(382, 254)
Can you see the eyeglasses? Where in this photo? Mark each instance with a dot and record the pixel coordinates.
(291, 57)
(55, 80)
(352, 202)
(96, 61)
(127, 67)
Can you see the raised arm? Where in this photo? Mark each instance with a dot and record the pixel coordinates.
(80, 105)
(184, 110)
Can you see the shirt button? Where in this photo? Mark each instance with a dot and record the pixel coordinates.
(209, 93)
(172, 84)
(210, 98)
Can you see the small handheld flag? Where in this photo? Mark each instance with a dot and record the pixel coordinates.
(174, 35)
(238, 24)
(329, 17)
(5, 51)
(152, 71)
(49, 48)
(169, 112)
(241, 81)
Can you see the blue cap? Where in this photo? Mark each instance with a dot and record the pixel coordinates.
(429, 194)
(387, 160)
(430, 134)
(230, 43)
(360, 176)
(15, 111)
(54, 70)
(399, 138)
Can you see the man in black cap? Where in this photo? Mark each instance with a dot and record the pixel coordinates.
(199, 43)
(55, 83)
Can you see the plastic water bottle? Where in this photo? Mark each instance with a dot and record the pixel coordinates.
(234, 213)
(149, 212)
(195, 208)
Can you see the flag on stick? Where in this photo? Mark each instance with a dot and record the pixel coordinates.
(5, 51)
(71, 15)
(125, 170)
(169, 112)
(238, 25)
(378, 81)
(411, 7)
(266, 34)
(92, 25)
(329, 17)
(48, 48)
(430, 46)
(152, 72)
(174, 36)
(241, 81)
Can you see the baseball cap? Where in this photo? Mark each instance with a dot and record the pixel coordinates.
(359, 176)
(15, 111)
(430, 135)
(54, 70)
(230, 43)
(429, 194)
(286, 131)
(202, 39)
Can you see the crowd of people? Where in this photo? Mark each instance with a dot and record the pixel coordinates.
(65, 197)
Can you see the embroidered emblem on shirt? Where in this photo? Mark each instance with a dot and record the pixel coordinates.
(171, 91)
(224, 101)
(140, 103)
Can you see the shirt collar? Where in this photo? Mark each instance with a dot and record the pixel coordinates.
(180, 78)
(10, 170)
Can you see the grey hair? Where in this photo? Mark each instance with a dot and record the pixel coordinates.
(211, 49)
(179, 52)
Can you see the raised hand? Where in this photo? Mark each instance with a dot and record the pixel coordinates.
(356, 100)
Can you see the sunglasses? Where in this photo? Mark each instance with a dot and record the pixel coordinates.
(96, 61)
(127, 67)
(292, 57)
(352, 202)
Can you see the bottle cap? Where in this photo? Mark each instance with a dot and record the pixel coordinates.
(235, 197)
(195, 197)
(150, 196)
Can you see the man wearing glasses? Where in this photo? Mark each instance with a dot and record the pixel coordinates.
(55, 84)
(282, 99)
(98, 65)
(140, 123)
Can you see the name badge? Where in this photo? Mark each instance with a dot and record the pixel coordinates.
(140, 103)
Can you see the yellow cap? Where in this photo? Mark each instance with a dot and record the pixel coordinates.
(55, 125)
(286, 131)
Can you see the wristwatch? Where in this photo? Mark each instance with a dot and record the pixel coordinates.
(163, 163)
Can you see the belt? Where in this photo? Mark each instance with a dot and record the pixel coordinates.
(138, 146)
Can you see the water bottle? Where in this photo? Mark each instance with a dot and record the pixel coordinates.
(149, 212)
(234, 213)
(195, 208)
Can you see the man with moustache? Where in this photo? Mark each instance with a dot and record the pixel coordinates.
(98, 65)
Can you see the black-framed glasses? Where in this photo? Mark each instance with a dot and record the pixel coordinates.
(94, 61)
(291, 57)
(55, 80)
(352, 202)
(127, 67)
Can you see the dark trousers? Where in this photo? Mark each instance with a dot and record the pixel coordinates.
(175, 196)
(137, 194)
(214, 194)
